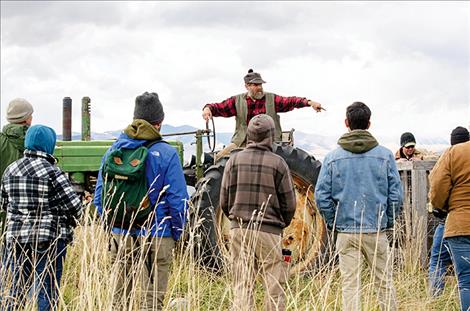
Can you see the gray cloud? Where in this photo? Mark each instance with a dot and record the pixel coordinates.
(35, 23)
(247, 16)
(406, 58)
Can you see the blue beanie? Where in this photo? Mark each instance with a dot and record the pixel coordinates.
(40, 138)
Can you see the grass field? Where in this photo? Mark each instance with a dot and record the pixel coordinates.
(89, 282)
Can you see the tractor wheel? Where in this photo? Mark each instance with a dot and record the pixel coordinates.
(189, 170)
(305, 236)
(205, 202)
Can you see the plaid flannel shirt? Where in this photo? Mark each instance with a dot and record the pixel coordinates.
(39, 199)
(256, 106)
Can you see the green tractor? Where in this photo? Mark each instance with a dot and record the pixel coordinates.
(306, 236)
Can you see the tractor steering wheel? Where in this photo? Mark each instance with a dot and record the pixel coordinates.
(210, 133)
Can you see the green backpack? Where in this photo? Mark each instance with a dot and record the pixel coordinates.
(124, 197)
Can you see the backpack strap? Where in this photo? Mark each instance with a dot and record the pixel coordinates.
(150, 143)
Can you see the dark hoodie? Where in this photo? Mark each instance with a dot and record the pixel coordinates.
(257, 188)
(40, 138)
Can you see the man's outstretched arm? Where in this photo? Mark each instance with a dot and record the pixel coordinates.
(316, 106)
(285, 104)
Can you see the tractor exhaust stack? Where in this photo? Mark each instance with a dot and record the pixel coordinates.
(86, 127)
(67, 119)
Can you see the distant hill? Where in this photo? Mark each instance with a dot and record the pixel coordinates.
(317, 145)
(166, 129)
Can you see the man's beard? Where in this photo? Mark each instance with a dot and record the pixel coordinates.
(257, 95)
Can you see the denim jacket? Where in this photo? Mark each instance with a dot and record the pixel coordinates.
(359, 188)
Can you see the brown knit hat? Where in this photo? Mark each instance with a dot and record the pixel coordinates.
(260, 128)
(19, 110)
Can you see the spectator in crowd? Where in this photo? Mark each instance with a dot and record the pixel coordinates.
(408, 151)
(42, 210)
(151, 243)
(440, 258)
(19, 117)
(257, 196)
(359, 194)
(450, 192)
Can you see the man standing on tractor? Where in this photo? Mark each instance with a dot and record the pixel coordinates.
(247, 105)
(145, 226)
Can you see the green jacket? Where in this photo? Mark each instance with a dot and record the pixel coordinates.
(11, 144)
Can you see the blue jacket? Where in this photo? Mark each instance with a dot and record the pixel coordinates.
(163, 168)
(359, 188)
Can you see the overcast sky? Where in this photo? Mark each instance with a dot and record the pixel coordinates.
(409, 61)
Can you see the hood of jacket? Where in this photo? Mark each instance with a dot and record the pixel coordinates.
(141, 129)
(138, 133)
(16, 134)
(40, 138)
(260, 132)
(357, 141)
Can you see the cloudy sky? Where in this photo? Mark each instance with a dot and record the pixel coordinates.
(409, 61)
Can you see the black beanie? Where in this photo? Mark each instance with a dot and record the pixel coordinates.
(459, 135)
(149, 108)
(407, 138)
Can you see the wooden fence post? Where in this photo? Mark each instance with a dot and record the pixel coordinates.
(414, 177)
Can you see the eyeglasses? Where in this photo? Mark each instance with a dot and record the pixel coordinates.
(410, 147)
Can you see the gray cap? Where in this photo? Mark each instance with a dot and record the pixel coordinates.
(253, 77)
(149, 108)
(19, 110)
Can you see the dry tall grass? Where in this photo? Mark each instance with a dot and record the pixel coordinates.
(89, 281)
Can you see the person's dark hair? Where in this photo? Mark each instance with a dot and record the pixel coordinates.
(358, 116)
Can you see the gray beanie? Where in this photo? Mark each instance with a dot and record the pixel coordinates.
(149, 108)
(19, 110)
